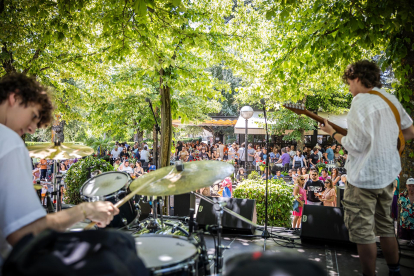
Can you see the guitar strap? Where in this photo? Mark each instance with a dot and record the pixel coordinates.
(397, 118)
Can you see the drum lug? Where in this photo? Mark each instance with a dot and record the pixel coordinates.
(124, 221)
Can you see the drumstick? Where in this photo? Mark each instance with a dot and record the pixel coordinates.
(119, 203)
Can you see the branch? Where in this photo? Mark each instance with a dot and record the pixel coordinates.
(35, 56)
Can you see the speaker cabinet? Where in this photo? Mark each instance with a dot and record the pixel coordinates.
(183, 203)
(244, 207)
(324, 223)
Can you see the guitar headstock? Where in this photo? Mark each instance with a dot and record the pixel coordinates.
(297, 108)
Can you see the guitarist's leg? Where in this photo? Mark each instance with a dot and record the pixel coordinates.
(384, 227)
(359, 205)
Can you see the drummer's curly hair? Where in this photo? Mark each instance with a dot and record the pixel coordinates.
(29, 91)
(366, 71)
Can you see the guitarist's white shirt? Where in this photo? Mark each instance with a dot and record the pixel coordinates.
(373, 160)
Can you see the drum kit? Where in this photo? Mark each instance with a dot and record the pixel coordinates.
(170, 247)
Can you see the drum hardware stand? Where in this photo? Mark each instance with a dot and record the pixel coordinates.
(218, 207)
(265, 233)
(153, 224)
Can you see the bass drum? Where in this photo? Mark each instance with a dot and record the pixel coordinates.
(112, 186)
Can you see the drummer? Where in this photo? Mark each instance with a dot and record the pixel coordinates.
(24, 106)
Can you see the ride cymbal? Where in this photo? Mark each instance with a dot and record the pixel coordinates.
(169, 181)
(59, 152)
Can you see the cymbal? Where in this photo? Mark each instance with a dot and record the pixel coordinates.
(59, 152)
(169, 181)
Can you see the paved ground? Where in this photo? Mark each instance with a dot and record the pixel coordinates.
(336, 259)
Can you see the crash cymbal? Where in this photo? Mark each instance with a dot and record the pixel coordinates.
(169, 181)
(59, 152)
(37, 186)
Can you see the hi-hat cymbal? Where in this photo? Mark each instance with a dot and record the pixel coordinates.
(59, 152)
(169, 181)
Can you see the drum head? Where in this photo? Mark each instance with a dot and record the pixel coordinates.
(157, 251)
(104, 184)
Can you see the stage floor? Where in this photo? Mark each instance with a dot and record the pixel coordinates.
(336, 259)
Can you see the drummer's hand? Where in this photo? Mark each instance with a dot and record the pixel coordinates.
(101, 212)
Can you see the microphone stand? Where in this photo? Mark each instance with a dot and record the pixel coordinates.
(158, 131)
(265, 234)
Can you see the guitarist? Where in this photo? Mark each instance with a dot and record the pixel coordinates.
(372, 165)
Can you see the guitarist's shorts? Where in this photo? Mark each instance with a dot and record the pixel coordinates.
(368, 213)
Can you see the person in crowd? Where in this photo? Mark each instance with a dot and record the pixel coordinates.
(250, 154)
(117, 163)
(342, 182)
(43, 168)
(300, 195)
(329, 154)
(291, 151)
(26, 105)
(151, 168)
(394, 205)
(184, 154)
(305, 173)
(179, 148)
(299, 160)
(124, 167)
(269, 176)
(284, 159)
(337, 154)
(241, 175)
(257, 158)
(36, 172)
(314, 157)
(241, 156)
(204, 155)
(324, 175)
(124, 154)
(406, 202)
(335, 176)
(340, 150)
(272, 155)
(312, 186)
(191, 156)
(145, 155)
(225, 153)
(63, 168)
(278, 175)
(328, 197)
(115, 153)
(138, 171)
(232, 152)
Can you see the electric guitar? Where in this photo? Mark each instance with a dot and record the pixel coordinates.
(300, 110)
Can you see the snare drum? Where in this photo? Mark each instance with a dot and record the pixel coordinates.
(168, 255)
(111, 186)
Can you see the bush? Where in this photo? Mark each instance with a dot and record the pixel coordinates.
(254, 175)
(79, 173)
(280, 200)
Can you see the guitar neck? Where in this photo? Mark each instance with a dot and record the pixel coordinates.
(321, 120)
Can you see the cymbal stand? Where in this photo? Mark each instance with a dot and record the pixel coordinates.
(218, 207)
(153, 224)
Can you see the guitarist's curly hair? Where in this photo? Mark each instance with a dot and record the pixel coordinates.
(366, 71)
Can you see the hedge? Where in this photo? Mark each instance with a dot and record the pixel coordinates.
(280, 200)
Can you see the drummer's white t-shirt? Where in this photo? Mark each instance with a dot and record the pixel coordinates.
(19, 203)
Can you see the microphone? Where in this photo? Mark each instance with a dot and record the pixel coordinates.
(147, 100)
(262, 101)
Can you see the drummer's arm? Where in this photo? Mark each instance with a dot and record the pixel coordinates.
(101, 211)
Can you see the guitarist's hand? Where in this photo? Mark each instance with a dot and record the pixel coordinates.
(327, 127)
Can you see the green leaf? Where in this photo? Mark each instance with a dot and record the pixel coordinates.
(140, 7)
(270, 15)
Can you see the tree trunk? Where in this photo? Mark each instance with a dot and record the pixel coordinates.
(301, 143)
(140, 134)
(155, 145)
(407, 158)
(166, 122)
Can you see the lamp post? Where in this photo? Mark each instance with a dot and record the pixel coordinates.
(246, 112)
